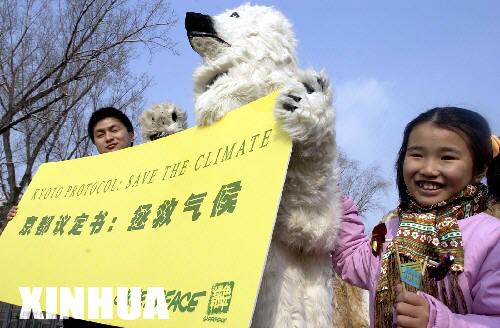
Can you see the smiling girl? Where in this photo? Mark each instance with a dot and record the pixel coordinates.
(442, 225)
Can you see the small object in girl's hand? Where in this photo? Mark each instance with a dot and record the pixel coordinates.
(378, 238)
(410, 274)
(442, 269)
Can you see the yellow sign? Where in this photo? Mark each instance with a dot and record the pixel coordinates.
(192, 213)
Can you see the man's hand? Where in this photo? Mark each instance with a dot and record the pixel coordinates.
(412, 310)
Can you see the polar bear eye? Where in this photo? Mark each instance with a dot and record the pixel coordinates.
(235, 15)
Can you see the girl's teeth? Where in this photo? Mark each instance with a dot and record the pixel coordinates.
(429, 186)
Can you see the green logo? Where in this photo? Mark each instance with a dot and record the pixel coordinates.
(220, 297)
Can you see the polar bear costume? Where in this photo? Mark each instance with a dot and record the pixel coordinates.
(162, 120)
(248, 52)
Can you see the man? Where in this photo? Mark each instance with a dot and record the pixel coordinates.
(109, 129)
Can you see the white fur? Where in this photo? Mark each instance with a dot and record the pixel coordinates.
(257, 56)
(162, 120)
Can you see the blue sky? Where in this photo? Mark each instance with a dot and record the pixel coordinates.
(388, 61)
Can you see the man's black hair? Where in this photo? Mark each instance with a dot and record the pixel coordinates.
(106, 112)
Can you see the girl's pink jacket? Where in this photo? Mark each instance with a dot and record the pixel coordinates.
(480, 282)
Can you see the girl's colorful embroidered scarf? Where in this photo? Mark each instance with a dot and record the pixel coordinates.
(428, 232)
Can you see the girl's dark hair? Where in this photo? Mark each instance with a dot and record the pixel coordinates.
(493, 178)
(473, 128)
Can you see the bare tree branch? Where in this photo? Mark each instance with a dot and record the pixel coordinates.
(59, 61)
(364, 185)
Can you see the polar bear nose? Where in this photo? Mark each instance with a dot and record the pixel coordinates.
(196, 22)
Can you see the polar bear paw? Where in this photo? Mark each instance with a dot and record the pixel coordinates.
(162, 120)
(304, 107)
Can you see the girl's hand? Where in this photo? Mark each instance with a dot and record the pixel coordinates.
(412, 310)
(12, 212)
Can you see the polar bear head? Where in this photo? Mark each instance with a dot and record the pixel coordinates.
(162, 120)
(247, 52)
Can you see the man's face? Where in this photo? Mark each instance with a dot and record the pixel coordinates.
(110, 134)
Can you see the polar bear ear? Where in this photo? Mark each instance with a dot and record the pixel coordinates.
(235, 14)
(174, 116)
